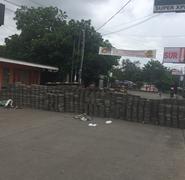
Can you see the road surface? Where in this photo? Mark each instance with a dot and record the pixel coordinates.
(40, 145)
(151, 95)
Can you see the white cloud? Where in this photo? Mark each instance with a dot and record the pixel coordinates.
(149, 35)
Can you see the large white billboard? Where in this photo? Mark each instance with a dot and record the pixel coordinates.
(162, 6)
(129, 53)
(174, 55)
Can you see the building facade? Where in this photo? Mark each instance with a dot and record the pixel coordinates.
(12, 71)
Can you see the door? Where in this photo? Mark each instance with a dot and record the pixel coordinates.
(6, 77)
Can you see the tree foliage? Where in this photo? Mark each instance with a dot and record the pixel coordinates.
(129, 71)
(49, 37)
(152, 73)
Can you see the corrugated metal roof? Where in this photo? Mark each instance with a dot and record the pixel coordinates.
(28, 64)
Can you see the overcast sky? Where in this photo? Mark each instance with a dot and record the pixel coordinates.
(164, 30)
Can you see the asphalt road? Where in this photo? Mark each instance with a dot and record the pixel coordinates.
(151, 95)
(40, 145)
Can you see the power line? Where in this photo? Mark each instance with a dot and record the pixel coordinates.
(39, 4)
(131, 26)
(135, 20)
(9, 29)
(153, 37)
(18, 5)
(10, 2)
(10, 10)
(6, 28)
(113, 15)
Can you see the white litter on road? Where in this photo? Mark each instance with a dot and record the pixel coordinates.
(92, 124)
(80, 116)
(108, 122)
(83, 119)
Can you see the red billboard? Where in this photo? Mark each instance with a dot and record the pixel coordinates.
(174, 55)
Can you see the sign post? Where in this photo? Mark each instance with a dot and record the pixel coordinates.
(165, 6)
(2, 12)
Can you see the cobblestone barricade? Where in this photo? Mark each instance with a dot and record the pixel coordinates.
(167, 112)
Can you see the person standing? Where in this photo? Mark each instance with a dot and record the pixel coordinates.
(172, 92)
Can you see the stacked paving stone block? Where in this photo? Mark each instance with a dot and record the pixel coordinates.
(129, 108)
(135, 109)
(107, 104)
(99, 103)
(61, 105)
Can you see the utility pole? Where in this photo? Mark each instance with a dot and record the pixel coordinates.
(184, 79)
(72, 62)
(82, 57)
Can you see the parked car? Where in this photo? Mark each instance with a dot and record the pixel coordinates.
(127, 83)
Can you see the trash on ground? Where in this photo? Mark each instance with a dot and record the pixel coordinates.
(6, 103)
(80, 116)
(92, 124)
(108, 122)
(83, 117)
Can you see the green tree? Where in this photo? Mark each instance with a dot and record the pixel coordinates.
(2, 50)
(38, 26)
(129, 71)
(48, 38)
(155, 73)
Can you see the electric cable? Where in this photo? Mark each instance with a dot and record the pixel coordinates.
(131, 26)
(113, 15)
(10, 2)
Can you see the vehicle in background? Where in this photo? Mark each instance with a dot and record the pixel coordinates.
(149, 88)
(126, 84)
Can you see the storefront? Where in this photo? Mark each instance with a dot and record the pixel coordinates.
(12, 71)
